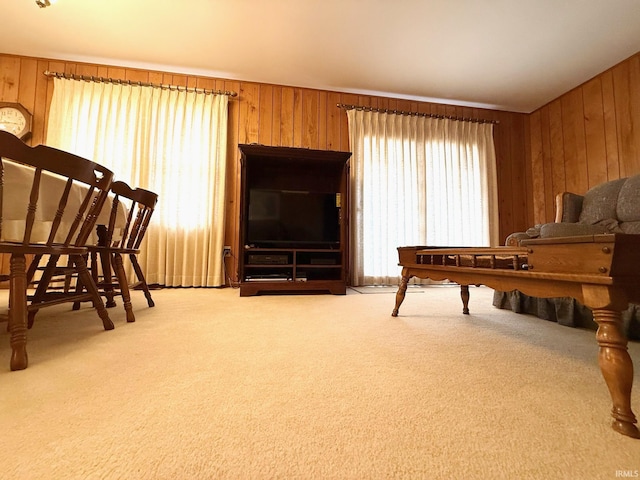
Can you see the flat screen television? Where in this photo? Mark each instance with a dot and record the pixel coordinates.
(292, 219)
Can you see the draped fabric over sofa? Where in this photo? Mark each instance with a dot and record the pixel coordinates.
(611, 207)
(564, 310)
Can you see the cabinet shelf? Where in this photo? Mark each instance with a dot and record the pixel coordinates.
(248, 265)
(305, 265)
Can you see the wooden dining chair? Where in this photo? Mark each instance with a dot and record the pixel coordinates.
(106, 264)
(49, 203)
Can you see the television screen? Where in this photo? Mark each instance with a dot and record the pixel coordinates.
(287, 219)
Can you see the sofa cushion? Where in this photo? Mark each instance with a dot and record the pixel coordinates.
(571, 207)
(600, 202)
(628, 209)
(563, 229)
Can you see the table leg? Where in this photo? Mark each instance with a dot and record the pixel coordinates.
(464, 294)
(18, 312)
(402, 290)
(617, 369)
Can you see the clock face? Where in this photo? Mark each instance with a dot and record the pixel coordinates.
(14, 120)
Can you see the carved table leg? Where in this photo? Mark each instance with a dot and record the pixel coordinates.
(402, 290)
(617, 369)
(18, 312)
(464, 294)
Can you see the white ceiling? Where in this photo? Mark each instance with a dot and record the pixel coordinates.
(514, 55)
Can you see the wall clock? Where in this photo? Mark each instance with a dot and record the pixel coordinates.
(16, 119)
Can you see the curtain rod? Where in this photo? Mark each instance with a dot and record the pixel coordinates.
(91, 78)
(415, 114)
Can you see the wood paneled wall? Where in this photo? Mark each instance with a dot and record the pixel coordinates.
(280, 116)
(587, 136)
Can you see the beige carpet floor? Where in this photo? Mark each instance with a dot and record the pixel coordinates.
(208, 385)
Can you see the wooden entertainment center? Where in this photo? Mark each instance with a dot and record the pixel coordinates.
(294, 219)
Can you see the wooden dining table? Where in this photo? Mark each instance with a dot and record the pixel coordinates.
(16, 181)
(17, 185)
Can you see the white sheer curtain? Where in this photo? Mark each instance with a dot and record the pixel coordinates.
(167, 141)
(417, 181)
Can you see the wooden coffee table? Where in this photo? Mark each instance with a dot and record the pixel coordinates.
(600, 271)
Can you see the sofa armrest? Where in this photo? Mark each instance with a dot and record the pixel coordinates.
(568, 207)
(513, 240)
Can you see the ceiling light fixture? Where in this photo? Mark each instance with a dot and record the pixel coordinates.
(45, 3)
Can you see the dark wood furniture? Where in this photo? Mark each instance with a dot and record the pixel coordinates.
(294, 220)
(601, 271)
(58, 212)
(106, 265)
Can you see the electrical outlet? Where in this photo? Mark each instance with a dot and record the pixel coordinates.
(226, 251)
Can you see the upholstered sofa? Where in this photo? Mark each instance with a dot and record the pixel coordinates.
(611, 207)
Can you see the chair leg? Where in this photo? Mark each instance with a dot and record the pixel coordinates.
(143, 281)
(80, 286)
(67, 278)
(118, 267)
(105, 262)
(33, 267)
(85, 277)
(41, 289)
